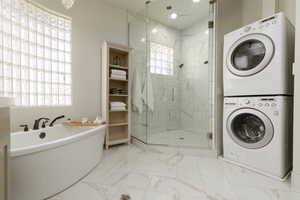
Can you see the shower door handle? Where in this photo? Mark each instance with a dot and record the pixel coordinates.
(173, 94)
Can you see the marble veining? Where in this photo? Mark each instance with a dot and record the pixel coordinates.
(160, 173)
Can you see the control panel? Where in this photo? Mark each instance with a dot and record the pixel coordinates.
(252, 102)
(265, 23)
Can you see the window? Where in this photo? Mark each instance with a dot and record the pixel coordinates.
(161, 59)
(35, 55)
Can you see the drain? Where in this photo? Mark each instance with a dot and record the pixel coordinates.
(42, 135)
(125, 197)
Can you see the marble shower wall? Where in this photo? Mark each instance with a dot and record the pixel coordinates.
(194, 79)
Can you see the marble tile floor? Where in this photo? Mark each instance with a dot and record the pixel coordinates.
(159, 173)
(180, 138)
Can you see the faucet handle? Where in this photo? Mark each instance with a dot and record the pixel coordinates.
(44, 123)
(25, 126)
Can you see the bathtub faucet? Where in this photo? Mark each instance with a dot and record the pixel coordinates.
(36, 125)
(57, 118)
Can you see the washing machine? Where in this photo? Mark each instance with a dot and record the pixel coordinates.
(258, 58)
(257, 133)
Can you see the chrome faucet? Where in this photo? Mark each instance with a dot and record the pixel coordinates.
(37, 123)
(54, 120)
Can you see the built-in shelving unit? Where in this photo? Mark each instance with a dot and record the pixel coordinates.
(116, 57)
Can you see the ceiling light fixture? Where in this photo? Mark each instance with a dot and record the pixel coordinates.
(154, 30)
(174, 15)
(196, 1)
(68, 3)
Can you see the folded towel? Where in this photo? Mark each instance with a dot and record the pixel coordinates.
(118, 77)
(118, 72)
(117, 108)
(117, 103)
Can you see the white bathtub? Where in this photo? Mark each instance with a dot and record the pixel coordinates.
(41, 168)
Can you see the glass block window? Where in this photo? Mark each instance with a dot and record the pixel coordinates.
(161, 59)
(35, 55)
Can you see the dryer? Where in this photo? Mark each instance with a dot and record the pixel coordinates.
(257, 134)
(258, 58)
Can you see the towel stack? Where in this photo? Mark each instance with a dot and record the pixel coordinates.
(117, 106)
(118, 91)
(118, 74)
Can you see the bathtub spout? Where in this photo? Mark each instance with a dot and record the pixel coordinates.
(57, 118)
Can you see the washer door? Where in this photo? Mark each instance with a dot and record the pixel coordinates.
(250, 55)
(250, 128)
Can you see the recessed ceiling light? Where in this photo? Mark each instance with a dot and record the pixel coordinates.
(143, 40)
(196, 1)
(154, 30)
(174, 15)
(207, 32)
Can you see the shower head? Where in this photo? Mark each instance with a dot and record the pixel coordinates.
(181, 66)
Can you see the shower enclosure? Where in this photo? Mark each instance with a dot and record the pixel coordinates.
(173, 73)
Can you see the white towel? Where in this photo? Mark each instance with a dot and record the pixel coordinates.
(118, 72)
(117, 103)
(120, 108)
(118, 77)
(137, 98)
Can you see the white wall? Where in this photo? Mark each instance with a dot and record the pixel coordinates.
(251, 11)
(256, 9)
(93, 22)
(289, 8)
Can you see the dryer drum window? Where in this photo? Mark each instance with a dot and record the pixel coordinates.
(248, 55)
(248, 128)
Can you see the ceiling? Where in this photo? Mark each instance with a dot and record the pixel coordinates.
(188, 11)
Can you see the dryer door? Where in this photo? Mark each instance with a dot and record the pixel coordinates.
(250, 55)
(250, 128)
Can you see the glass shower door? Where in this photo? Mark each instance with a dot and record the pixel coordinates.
(179, 78)
(173, 76)
(138, 44)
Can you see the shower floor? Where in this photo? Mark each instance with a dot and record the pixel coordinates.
(180, 138)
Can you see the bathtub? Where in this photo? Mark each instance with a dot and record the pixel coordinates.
(48, 161)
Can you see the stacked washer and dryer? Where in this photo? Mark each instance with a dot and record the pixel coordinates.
(258, 96)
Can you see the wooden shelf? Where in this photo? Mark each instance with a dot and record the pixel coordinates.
(117, 57)
(118, 124)
(118, 67)
(115, 142)
(118, 95)
(112, 79)
(118, 111)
